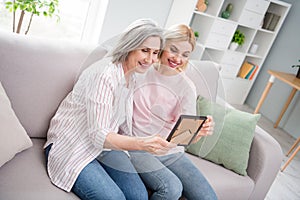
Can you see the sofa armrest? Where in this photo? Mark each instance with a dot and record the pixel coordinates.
(264, 162)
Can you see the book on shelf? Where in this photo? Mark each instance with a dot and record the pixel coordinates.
(253, 73)
(270, 21)
(247, 70)
(267, 20)
(274, 22)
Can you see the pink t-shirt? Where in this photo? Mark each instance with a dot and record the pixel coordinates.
(159, 100)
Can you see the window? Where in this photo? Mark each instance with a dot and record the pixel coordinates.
(72, 14)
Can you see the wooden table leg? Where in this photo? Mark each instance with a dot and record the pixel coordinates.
(293, 155)
(294, 145)
(286, 105)
(264, 94)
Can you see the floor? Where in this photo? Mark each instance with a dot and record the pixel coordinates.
(287, 183)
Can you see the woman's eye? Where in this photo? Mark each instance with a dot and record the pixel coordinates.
(145, 50)
(156, 52)
(173, 50)
(186, 55)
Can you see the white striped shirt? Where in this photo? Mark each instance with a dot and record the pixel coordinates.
(95, 107)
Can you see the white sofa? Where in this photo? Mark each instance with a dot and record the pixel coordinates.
(37, 74)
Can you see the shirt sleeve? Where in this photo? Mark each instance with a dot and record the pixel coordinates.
(99, 100)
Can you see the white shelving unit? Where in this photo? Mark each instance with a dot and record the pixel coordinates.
(216, 34)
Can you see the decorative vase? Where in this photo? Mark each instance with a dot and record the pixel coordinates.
(298, 73)
(253, 48)
(225, 14)
(201, 6)
(233, 46)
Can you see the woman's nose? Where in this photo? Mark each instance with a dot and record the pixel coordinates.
(150, 58)
(177, 58)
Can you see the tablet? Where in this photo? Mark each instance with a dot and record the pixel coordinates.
(186, 129)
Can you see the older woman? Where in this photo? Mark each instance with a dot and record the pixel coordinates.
(88, 120)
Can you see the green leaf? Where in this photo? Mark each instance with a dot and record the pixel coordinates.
(47, 7)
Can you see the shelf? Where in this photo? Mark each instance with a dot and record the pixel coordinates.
(203, 13)
(254, 56)
(216, 34)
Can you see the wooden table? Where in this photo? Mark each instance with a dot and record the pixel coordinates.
(289, 79)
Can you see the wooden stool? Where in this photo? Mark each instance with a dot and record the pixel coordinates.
(293, 155)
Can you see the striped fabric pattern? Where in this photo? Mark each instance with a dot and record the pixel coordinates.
(94, 108)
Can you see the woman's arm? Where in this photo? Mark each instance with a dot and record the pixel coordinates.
(153, 144)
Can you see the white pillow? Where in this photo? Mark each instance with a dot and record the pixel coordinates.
(13, 137)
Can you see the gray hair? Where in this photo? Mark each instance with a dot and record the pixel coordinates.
(133, 37)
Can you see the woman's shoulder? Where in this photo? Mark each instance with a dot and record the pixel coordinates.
(102, 69)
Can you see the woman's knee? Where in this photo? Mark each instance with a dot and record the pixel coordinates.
(174, 188)
(169, 188)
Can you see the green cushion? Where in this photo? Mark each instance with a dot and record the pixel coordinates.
(233, 134)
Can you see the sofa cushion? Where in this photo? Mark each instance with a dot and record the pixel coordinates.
(25, 177)
(226, 183)
(13, 137)
(37, 74)
(230, 144)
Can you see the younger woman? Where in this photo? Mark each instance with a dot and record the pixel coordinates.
(161, 96)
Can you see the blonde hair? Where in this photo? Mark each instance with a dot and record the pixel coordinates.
(180, 32)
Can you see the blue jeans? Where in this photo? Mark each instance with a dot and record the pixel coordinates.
(100, 181)
(171, 176)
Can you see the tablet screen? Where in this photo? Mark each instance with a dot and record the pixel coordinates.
(186, 129)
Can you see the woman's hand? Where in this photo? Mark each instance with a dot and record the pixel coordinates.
(155, 144)
(207, 129)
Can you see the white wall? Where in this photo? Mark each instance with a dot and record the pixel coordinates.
(285, 52)
(120, 14)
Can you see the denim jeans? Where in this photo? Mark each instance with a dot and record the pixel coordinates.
(100, 181)
(171, 176)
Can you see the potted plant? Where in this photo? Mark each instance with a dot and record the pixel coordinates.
(298, 73)
(196, 33)
(238, 39)
(48, 8)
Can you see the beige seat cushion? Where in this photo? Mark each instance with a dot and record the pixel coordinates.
(25, 177)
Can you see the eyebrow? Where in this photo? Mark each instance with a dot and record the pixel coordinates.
(178, 48)
(174, 46)
(148, 48)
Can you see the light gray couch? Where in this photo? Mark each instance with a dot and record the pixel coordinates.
(37, 74)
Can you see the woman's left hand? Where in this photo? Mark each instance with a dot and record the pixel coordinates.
(207, 129)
